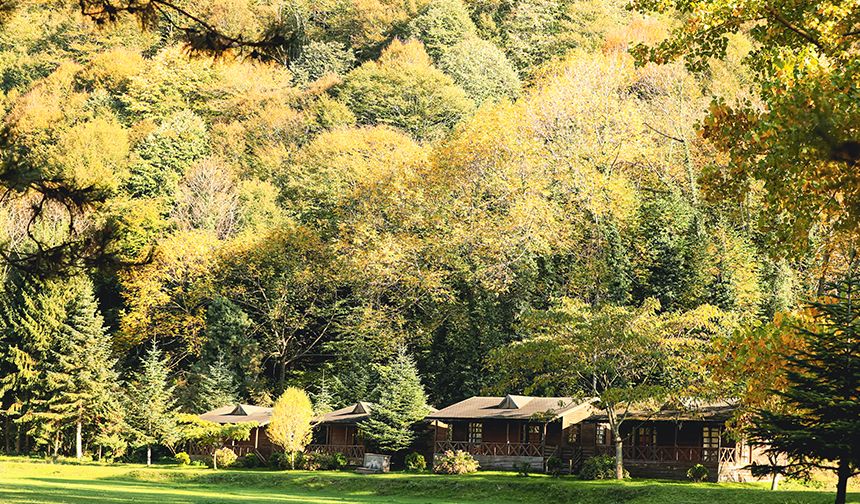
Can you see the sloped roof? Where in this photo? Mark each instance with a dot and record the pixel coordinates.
(510, 407)
(351, 414)
(239, 413)
(719, 411)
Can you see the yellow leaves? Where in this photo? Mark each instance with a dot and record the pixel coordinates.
(404, 53)
(112, 69)
(165, 297)
(94, 153)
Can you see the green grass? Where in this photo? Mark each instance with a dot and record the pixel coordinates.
(29, 481)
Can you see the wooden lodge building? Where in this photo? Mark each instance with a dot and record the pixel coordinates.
(258, 442)
(507, 432)
(337, 432)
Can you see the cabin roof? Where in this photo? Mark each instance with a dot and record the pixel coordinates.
(351, 414)
(718, 411)
(238, 413)
(510, 407)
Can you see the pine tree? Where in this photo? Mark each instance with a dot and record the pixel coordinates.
(817, 424)
(31, 314)
(402, 402)
(151, 404)
(81, 371)
(216, 388)
(324, 399)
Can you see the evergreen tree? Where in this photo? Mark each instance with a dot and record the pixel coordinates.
(151, 404)
(324, 399)
(216, 388)
(817, 424)
(81, 371)
(30, 316)
(400, 404)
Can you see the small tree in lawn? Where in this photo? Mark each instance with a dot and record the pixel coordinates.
(210, 435)
(291, 425)
(401, 403)
(151, 409)
(816, 423)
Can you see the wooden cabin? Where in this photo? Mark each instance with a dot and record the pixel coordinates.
(507, 432)
(337, 432)
(667, 442)
(258, 442)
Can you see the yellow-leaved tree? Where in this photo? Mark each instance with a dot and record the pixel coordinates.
(292, 422)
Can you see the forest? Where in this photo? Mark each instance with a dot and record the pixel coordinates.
(246, 196)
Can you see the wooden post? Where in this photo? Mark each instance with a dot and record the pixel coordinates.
(256, 438)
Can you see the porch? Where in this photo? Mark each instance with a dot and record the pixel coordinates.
(354, 453)
(690, 454)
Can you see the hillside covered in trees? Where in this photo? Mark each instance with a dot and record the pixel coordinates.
(441, 177)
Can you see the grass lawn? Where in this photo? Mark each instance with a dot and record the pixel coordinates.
(27, 481)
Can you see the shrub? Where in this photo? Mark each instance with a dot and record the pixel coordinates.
(182, 458)
(523, 469)
(554, 466)
(225, 457)
(279, 460)
(600, 467)
(698, 473)
(455, 462)
(324, 461)
(415, 462)
(249, 461)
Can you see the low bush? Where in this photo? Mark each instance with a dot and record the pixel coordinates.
(182, 458)
(248, 461)
(697, 473)
(599, 468)
(324, 461)
(415, 462)
(225, 457)
(455, 462)
(523, 469)
(554, 466)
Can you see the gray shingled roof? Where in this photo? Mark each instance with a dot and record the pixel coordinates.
(714, 411)
(239, 413)
(510, 407)
(351, 414)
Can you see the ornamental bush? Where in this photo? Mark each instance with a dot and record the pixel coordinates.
(599, 468)
(324, 461)
(697, 473)
(225, 457)
(554, 466)
(182, 458)
(415, 462)
(455, 462)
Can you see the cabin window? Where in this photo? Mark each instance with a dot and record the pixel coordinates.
(646, 436)
(710, 437)
(604, 434)
(710, 442)
(476, 431)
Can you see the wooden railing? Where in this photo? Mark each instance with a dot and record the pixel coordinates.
(695, 454)
(353, 453)
(496, 449)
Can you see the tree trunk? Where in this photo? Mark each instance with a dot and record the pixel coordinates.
(79, 451)
(843, 473)
(215, 460)
(774, 482)
(148, 455)
(619, 458)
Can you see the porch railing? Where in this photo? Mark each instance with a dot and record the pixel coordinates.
(353, 453)
(497, 449)
(695, 454)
